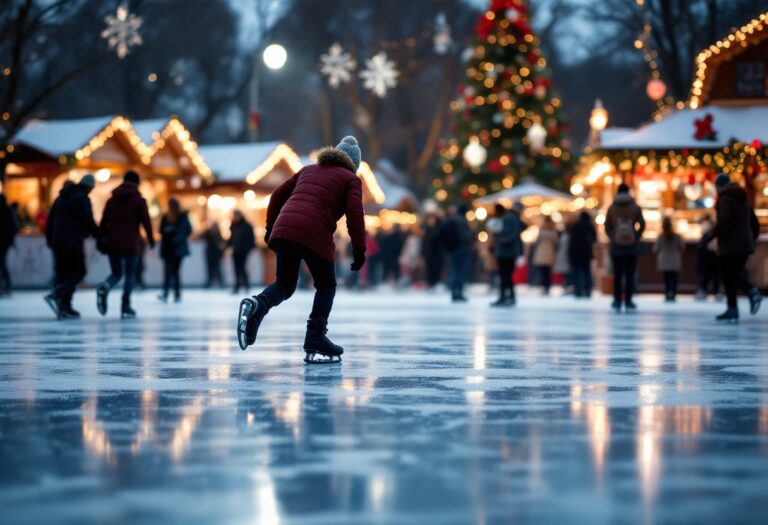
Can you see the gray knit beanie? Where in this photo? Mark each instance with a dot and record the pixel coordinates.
(88, 181)
(349, 146)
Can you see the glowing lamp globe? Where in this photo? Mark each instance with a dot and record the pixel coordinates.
(474, 153)
(536, 136)
(275, 56)
(656, 89)
(598, 119)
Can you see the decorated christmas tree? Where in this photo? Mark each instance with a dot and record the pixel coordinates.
(507, 123)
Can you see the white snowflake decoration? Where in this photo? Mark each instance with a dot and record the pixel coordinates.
(379, 74)
(442, 39)
(337, 65)
(122, 31)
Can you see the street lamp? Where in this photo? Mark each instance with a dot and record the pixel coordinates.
(274, 57)
(598, 120)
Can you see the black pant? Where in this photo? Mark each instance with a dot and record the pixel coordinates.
(289, 257)
(624, 267)
(670, 285)
(171, 270)
(70, 271)
(506, 283)
(708, 272)
(213, 265)
(5, 275)
(434, 264)
(582, 279)
(545, 277)
(734, 276)
(122, 265)
(241, 274)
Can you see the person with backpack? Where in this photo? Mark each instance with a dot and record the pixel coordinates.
(125, 213)
(736, 231)
(624, 226)
(69, 224)
(458, 240)
(669, 249)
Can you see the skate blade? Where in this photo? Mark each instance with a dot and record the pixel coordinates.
(52, 305)
(312, 358)
(246, 307)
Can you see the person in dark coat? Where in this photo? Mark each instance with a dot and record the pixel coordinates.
(125, 214)
(301, 221)
(9, 227)
(507, 247)
(580, 252)
(242, 241)
(69, 224)
(624, 226)
(432, 250)
(736, 231)
(707, 266)
(175, 229)
(458, 240)
(214, 251)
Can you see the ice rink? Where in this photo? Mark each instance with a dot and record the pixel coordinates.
(555, 412)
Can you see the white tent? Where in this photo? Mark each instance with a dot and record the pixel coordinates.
(525, 190)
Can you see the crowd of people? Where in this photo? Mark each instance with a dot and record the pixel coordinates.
(442, 248)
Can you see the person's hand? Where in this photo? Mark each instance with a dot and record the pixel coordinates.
(358, 260)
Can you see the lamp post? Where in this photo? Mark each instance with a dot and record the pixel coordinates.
(598, 120)
(274, 57)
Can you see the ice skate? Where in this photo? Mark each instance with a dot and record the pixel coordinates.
(101, 298)
(53, 303)
(731, 315)
(755, 299)
(251, 313)
(317, 347)
(616, 306)
(70, 312)
(126, 312)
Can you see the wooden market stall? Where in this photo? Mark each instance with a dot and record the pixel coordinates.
(671, 164)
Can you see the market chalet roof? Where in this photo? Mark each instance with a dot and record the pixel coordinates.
(710, 60)
(676, 131)
(61, 137)
(250, 162)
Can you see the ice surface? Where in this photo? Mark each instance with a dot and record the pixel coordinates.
(555, 412)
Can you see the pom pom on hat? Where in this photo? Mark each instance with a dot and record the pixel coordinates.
(349, 146)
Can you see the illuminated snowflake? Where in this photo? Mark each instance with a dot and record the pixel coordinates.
(338, 65)
(379, 74)
(122, 31)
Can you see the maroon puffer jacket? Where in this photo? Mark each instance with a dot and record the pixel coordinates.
(125, 212)
(306, 207)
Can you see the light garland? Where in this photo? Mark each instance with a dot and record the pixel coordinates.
(117, 125)
(283, 152)
(366, 173)
(175, 129)
(703, 59)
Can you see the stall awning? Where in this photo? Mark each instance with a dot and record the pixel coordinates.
(677, 130)
(525, 190)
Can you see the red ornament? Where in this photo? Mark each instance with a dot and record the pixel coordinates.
(710, 176)
(495, 166)
(532, 57)
(704, 129)
(756, 144)
(685, 153)
(461, 88)
(691, 179)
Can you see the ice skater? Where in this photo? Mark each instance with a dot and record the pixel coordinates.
(301, 221)
(125, 213)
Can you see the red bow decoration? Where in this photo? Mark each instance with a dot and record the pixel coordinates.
(704, 130)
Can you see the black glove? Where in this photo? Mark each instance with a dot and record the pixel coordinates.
(358, 261)
(267, 234)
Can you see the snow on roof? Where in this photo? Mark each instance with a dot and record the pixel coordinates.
(146, 128)
(390, 179)
(611, 134)
(525, 189)
(676, 131)
(61, 137)
(232, 162)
